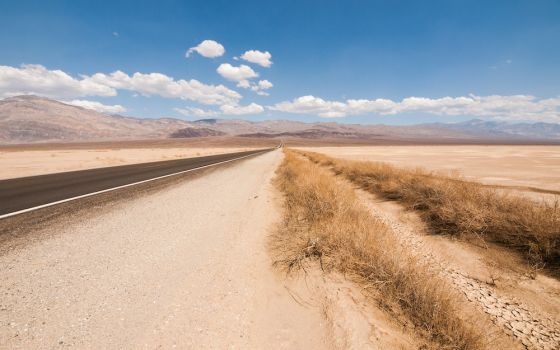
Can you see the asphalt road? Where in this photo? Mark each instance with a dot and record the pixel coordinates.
(28, 192)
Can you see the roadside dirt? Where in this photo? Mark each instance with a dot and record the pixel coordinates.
(185, 267)
(353, 320)
(524, 308)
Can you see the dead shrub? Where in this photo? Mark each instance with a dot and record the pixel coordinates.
(459, 207)
(324, 220)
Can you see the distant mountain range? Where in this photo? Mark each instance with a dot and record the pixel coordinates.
(30, 119)
(484, 128)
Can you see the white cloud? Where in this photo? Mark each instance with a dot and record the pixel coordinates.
(313, 105)
(207, 48)
(116, 34)
(37, 80)
(97, 106)
(265, 84)
(252, 108)
(261, 86)
(514, 107)
(162, 85)
(240, 74)
(226, 109)
(245, 84)
(258, 57)
(196, 112)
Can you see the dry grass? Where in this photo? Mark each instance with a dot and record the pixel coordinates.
(458, 207)
(323, 220)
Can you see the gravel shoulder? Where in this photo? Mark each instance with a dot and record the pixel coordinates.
(183, 267)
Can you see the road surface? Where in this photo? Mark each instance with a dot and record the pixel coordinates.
(20, 194)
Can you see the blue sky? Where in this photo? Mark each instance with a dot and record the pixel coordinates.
(394, 62)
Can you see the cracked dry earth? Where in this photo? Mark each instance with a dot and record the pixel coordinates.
(534, 329)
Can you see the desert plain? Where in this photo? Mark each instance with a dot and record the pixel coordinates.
(505, 165)
(278, 175)
(205, 242)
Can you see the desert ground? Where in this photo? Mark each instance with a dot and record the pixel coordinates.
(181, 265)
(273, 251)
(505, 165)
(171, 269)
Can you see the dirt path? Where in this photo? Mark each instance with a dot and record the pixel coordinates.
(185, 267)
(529, 314)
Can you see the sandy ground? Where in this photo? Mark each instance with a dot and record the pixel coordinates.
(183, 267)
(14, 163)
(513, 165)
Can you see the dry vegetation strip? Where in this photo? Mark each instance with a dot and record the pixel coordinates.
(324, 220)
(458, 207)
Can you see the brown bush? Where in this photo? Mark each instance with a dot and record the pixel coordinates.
(458, 207)
(324, 220)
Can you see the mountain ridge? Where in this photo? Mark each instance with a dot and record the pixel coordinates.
(32, 119)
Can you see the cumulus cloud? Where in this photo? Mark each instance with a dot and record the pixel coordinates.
(207, 48)
(196, 112)
(258, 57)
(162, 85)
(514, 107)
(312, 105)
(252, 108)
(97, 106)
(265, 84)
(37, 80)
(225, 109)
(261, 86)
(245, 84)
(240, 74)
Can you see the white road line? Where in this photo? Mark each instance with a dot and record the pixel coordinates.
(119, 187)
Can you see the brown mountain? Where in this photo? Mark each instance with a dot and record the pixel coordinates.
(35, 119)
(27, 119)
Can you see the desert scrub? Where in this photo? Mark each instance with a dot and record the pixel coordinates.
(323, 220)
(459, 207)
